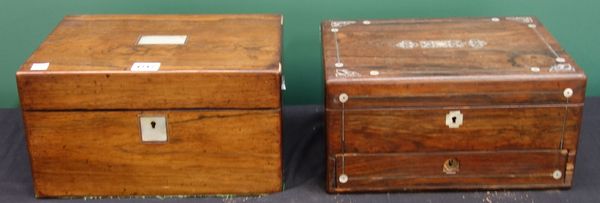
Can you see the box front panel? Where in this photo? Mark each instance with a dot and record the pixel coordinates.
(147, 91)
(358, 138)
(103, 153)
(456, 91)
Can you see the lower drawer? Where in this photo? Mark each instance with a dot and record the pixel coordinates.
(449, 170)
(102, 153)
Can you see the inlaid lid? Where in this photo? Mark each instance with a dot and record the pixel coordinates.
(383, 56)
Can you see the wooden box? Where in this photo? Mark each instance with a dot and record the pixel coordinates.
(133, 105)
(459, 103)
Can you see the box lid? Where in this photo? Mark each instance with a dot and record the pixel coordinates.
(447, 62)
(156, 61)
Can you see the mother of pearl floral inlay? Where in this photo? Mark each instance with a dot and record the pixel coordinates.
(441, 44)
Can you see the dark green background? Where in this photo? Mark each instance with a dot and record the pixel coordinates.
(25, 23)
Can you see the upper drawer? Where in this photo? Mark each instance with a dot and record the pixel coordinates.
(156, 62)
(423, 130)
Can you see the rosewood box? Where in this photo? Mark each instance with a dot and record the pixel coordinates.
(458, 103)
(128, 105)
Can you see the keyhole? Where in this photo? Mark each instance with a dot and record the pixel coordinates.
(451, 166)
(453, 119)
(153, 124)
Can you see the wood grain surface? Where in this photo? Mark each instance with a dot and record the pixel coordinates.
(406, 171)
(180, 90)
(382, 131)
(220, 92)
(90, 59)
(214, 42)
(455, 92)
(511, 47)
(390, 84)
(376, 72)
(100, 153)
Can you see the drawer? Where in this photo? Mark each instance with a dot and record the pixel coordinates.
(449, 170)
(428, 130)
(100, 153)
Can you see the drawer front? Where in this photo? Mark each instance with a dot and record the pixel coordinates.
(426, 130)
(206, 152)
(452, 170)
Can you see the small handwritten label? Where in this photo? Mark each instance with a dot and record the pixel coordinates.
(162, 40)
(145, 66)
(39, 66)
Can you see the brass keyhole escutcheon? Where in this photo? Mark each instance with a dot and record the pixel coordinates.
(451, 166)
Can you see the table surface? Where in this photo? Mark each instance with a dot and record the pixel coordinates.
(304, 167)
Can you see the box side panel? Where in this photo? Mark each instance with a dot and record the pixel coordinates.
(571, 140)
(207, 152)
(334, 144)
(166, 90)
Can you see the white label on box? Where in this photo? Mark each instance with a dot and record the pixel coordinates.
(39, 66)
(145, 66)
(162, 40)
